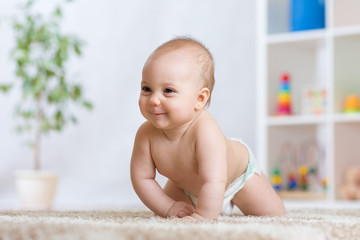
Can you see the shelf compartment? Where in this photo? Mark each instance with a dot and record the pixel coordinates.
(278, 16)
(347, 151)
(304, 61)
(346, 69)
(346, 13)
(292, 147)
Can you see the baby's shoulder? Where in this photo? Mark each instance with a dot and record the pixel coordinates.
(206, 123)
(144, 135)
(207, 119)
(146, 128)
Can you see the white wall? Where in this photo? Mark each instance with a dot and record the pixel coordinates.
(93, 157)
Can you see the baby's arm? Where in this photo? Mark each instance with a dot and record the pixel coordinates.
(143, 176)
(212, 162)
(143, 179)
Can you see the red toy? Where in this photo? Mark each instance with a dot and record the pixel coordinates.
(284, 96)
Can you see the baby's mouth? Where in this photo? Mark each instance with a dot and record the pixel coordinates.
(158, 114)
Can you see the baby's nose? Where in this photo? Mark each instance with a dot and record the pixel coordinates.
(154, 100)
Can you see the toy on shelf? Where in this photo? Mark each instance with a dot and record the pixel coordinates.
(276, 179)
(284, 169)
(314, 100)
(352, 104)
(292, 183)
(303, 177)
(307, 14)
(324, 183)
(284, 96)
(302, 166)
(350, 190)
(312, 160)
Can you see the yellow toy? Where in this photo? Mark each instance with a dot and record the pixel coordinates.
(303, 179)
(352, 104)
(324, 183)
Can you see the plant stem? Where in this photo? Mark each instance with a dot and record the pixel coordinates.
(37, 143)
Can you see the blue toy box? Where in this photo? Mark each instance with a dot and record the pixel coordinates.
(307, 14)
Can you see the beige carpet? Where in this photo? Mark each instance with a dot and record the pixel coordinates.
(296, 224)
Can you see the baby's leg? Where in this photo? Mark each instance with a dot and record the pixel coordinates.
(177, 193)
(258, 197)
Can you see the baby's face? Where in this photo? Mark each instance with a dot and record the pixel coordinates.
(169, 89)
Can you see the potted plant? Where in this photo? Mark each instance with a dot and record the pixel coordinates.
(40, 54)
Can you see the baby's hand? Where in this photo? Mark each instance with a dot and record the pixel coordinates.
(180, 209)
(193, 217)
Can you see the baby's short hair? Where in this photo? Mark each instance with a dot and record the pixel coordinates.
(203, 57)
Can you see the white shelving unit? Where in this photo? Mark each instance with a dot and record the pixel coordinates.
(329, 58)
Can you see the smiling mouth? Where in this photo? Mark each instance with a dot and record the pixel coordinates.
(158, 114)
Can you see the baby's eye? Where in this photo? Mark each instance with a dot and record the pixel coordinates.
(168, 90)
(145, 89)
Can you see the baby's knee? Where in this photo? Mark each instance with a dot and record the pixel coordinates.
(278, 210)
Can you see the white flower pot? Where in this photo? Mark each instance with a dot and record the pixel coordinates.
(36, 189)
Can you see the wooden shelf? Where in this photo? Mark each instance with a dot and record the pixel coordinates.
(320, 204)
(302, 195)
(296, 120)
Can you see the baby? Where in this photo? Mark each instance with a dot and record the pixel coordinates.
(207, 173)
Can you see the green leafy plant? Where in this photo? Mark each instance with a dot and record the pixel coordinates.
(40, 54)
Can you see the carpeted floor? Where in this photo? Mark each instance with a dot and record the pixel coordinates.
(296, 224)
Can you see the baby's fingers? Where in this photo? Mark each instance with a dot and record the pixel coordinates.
(190, 208)
(184, 212)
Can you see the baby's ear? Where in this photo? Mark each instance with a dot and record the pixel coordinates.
(202, 98)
